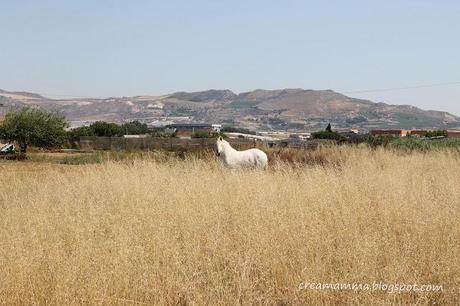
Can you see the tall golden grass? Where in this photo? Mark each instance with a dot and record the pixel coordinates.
(173, 232)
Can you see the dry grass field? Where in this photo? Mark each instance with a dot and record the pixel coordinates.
(170, 231)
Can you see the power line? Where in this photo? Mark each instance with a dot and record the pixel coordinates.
(401, 88)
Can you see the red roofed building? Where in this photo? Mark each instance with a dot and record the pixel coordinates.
(453, 133)
(419, 133)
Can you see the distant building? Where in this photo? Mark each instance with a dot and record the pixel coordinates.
(453, 133)
(395, 133)
(354, 131)
(156, 105)
(418, 133)
(300, 136)
(188, 129)
(217, 127)
(159, 123)
(413, 133)
(191, 127)
(136, 136)
(248, 136)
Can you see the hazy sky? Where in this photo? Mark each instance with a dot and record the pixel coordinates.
(113, 48)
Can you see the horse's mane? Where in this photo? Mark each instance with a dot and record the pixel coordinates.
(226, 144)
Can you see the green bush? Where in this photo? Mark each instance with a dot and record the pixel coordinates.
(101, 128)
(134, 128)
(329, 135)
(74, 134)
(32, 126)
(107, 129)
(438, 133)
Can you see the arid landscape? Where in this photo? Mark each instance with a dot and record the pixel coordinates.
(164, 230)
(182, 153)
(283, 109)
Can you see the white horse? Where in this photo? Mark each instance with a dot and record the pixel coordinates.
(231, 158)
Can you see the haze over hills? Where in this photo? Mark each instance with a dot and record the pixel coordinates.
(282, 109)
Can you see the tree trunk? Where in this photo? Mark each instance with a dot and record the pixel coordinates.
(23, 147)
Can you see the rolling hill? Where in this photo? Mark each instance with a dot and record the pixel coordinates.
(282, 109)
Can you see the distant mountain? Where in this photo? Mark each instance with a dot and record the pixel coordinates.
(282, 109)
(20, 95)
(205, 96)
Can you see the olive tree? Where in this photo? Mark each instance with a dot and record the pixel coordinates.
(31, 126)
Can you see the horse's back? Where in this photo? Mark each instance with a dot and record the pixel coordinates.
(260, 158)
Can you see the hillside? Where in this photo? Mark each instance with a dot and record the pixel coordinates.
(283, 109)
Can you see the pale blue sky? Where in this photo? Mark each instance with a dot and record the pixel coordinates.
(113, 48)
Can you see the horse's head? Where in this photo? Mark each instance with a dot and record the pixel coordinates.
(219, 145)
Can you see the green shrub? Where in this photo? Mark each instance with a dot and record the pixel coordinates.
(32, 126)
(134, 128)
(101, 128)
(74, 134)
(438, 133)
(329, 135)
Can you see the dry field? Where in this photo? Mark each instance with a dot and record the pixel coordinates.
(166, 231)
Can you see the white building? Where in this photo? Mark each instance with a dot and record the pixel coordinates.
(216, 127)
